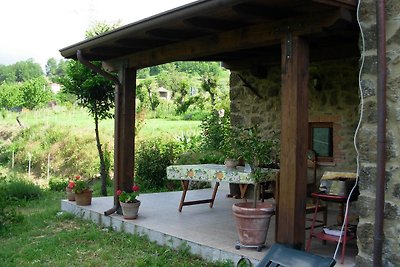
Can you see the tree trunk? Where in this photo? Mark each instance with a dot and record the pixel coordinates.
(103, 174)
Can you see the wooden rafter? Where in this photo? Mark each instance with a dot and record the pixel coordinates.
(243, 38)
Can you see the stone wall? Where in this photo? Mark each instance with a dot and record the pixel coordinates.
(333, 97)
(367, 138)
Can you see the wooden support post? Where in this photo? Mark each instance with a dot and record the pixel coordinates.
(124, 135)
(294, 137)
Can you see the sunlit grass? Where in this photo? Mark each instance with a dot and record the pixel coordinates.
(48, 237)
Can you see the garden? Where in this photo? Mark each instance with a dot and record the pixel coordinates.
(37, 161)
(48, 138)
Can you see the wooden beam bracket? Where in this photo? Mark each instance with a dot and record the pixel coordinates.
(249, 86)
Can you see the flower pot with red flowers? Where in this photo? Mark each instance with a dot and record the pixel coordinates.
(69, 188)
(129, 203)
(83, 193)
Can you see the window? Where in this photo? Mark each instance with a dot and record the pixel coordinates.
(321, 140)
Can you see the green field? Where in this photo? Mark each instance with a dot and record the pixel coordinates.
(65, 139)
(78, 120)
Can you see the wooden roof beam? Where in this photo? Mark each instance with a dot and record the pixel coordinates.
(244, 38)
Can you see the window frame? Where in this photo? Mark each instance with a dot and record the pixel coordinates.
(311, 126)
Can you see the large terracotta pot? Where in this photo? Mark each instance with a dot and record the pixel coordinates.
(130, 210)
(70, 194)
(252, 223)
(84, 198)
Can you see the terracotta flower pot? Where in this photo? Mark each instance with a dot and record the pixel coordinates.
(231, 163)
(84, 198)
(252, 223)
(70, 194)
(130, 210)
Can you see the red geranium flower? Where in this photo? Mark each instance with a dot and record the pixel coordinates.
(77, 177)
(128, 197)
(135, 188)
(71, 184)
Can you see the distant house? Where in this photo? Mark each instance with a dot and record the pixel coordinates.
(164, 93)
(55, 87)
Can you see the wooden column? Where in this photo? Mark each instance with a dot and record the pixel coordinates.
(124, 134)
(294, 138)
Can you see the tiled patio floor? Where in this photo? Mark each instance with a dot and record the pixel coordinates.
(209, 232)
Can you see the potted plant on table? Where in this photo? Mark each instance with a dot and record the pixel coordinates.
(82, 191)
(129, 203)
(230, 150)
(252, 219)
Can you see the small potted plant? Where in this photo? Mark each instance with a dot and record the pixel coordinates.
(81, 189)
(69, 188)
(230, 150)
(129, 203)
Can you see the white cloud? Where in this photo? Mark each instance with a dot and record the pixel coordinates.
(38, 29)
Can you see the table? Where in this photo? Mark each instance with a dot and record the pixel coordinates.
(214, 173)
(321, 235)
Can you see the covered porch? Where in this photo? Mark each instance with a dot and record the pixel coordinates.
(244, 34)
(210, 233)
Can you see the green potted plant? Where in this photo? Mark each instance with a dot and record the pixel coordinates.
(252, 219)
(83, 193)
(129, 203)
(230, 150)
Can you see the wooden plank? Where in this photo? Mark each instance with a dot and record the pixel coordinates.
(124, 129)
(244, 38)
(294, 133)
(340, 3)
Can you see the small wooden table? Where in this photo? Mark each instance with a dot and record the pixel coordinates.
(214, 173)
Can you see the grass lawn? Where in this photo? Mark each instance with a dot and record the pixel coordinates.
(48, 237)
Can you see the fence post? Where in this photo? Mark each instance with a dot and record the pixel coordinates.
(12, 159)
(48, 166)
(29, 164)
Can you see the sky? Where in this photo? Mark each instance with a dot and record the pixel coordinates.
(39, 29)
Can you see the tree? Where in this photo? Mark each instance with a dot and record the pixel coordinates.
(20, 72)
(152, 95)
(54, 69)
(10, 96)
(94, 92)
(210, 85)
(7, 74)
(35, 93)
(51, 67)
(26, 70)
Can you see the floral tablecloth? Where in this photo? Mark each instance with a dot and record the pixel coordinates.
(216, 173)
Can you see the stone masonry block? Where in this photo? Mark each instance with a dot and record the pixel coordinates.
(368, 88)
(396, 191)
(363, 261)
(365, 206)
(365, 234)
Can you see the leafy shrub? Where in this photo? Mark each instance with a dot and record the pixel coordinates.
(57, 184)
(8, 214)
(214, 129)
(152, 159)
(21, 190)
